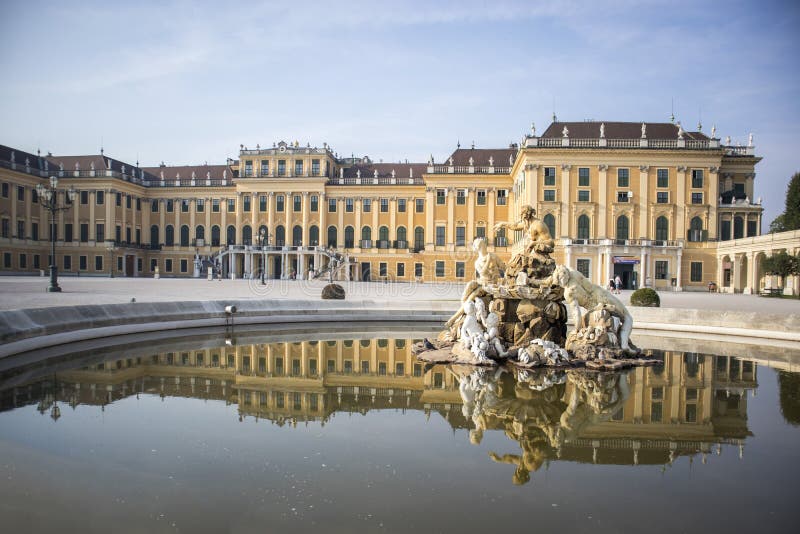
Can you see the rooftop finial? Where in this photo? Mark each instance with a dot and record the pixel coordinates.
(699, 126)
(458, 144)
(473, 145)
(533, 129)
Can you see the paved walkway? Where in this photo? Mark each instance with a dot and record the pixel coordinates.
(29, 292)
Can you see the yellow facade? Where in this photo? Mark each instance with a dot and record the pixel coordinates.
(650, 209)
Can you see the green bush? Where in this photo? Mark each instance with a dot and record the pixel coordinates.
(645, 297)
(333, 291)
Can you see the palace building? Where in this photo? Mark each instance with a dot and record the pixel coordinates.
(649, 202)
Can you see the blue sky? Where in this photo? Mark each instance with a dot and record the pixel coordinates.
(188, 82)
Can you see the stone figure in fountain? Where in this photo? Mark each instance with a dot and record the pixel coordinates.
(518, 312)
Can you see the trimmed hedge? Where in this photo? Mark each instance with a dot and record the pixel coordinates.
(333, 292)
(646, 297)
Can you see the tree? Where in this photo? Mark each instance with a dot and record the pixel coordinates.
(789, 386)
(781, 264)
(790, 218)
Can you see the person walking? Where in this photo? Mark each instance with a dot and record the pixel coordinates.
(618, 284)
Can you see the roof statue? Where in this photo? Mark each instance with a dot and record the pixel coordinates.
(77, 166)
(713, 131)
(393, 173)
(602, 130)
(13, 156)
(194, 176)
(533, 129)
(61, 166)
(644, 131)
(728, 140)
(750, 140)
(358, 173)
(27, 162)
(471, 161)
(491, 161)
(208, 175)
(341, 172)
(510, 160)
(450, 161)
(565, 131)
(91, 166)
(680, 130)
(375, 173)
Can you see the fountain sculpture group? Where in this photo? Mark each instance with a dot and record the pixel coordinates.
(517, 313)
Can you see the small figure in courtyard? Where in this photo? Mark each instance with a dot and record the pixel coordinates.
(618, 285)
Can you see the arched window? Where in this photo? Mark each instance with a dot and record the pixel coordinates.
(383, 237)
(215, 236)
(419, 238)
(696, 229)
(297, 236)
(332, 234)
(247, 235)
(623, 227)
(583, 227)
(230, 237)
(366, 235)
(401, 237)
(349, 237)
(184, 236)
(662, 228)
(200, 232)
(738, 227)
(313, 236)
(280, 236)
(154, 236)
(169, 235)
(550, 221)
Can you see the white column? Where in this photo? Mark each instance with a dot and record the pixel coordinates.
(679, 272)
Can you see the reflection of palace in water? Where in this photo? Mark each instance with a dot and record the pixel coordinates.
(693, 404)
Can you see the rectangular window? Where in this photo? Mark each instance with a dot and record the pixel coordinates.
(399, 369)
(154, 206)
(84, 197)
(439, 269)
(83, 263)
(21, 230)
(246, 203)
(84, 232)
(21, 194)
(738, 191)
(35, 231)
(185, 205)
(549, 176)
(383, 269)
(656, 412)
(170, 206)
(549, 195)
(662, 269)
(100, 198)
(401, 270)
(279, 203)
(314, 203)
(583, 265)
(34, 196)
(583, 177)
(100, 232)
(67, 263)
(583, 195)
(481, 197)
(662, 178)
(37, 261)
(420, 205)
(480, 231)
(262, 202)
(461, 197)
(697, 178)
(128, 201)
(697, 198)
(118, 233)
(184, 265)
(98, 263)
(440, 234)
(662, 197)
(623, 178)
(5, 189)
(248, 167)
(281, 167)
(168, 265)
(314, 167)
(200, 205)
(117, 200)
(231, 205)
(331, 205)
(418, 270)
(349, 205)
(365, 367)
(696, 271)
(264, 167)
(298, 167)
(384, 205)
(459, 269)
(366, 205)
(441, 196)
(401, 205)
(461, 232)
(622, 196)
(23, 261)
(752, 228)
(297, 203)
(138, 204)
(153, 264)
(502, 197)
(119, 263)
(6, 231)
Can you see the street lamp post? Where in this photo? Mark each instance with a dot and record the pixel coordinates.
(48, 196)
(262, 241)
